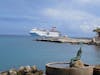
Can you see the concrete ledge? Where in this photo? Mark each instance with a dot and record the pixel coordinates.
(50, 70)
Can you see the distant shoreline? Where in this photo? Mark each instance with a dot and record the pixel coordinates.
(15, 35)
(33, 37)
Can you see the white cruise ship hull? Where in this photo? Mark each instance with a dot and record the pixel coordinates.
(44, 33)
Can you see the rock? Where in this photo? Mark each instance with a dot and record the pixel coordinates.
(21, 71)
(39, 72)
(34, 69)
(28, 69)
(96, 70)
(12, 72)
(21, 68)
(78, 64)
(4, 73)
(29, 73)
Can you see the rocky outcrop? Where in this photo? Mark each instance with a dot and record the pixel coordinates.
(27, 70)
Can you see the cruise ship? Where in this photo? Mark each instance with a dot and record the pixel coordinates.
(45, 33)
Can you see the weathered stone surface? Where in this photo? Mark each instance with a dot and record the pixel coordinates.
(21, 68)
(78, 64)
(34, 69)
(53, 70)
(4, 73)
(21, 71)
(38, 73)
(27, 70)
(29, 73)
(12, 72)
(96, 70)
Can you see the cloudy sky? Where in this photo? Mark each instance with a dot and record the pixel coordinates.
(71, 17)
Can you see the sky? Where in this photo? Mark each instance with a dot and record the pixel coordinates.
(75, 18)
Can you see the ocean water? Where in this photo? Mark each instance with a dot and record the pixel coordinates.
(16, 51)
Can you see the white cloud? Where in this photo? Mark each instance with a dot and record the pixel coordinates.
(87, 1)
(51, 12)
(84, 1)
(80, 19)
(65, 14)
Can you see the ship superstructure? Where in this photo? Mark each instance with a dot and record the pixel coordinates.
(46, 33)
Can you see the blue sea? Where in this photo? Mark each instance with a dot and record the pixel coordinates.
(16, 51)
